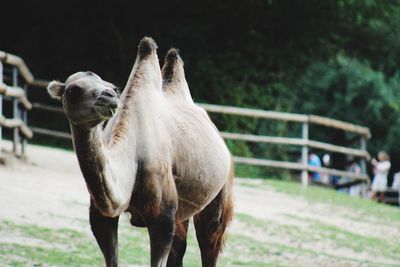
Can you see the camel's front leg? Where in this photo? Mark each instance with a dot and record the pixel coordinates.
(161, 231)
(156, 198)
(178, 247)
(105, 230)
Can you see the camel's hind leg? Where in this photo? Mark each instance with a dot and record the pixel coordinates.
(211, 224)
(105, 230)
(178, 247)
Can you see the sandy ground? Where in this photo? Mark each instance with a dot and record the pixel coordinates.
(49, 191)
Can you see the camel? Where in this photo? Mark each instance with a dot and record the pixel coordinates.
(159, 158)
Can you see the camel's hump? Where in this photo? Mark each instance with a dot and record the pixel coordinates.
(146, 46)
(172, 55)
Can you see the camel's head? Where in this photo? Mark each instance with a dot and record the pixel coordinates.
(87, 99)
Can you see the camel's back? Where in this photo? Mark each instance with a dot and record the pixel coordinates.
(201, 160)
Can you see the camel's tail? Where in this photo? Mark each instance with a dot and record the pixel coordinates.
(218, 237)
(227, 210)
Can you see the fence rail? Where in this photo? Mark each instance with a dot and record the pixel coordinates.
(16, 123)
(16, 92)
(19, 63)
(53, 133)
(283, 116)
(295, 141)
(298, 166)
(303, 141)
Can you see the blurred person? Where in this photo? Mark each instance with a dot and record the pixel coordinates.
(314, 161)
(396, 185)
(354, 167)
(381, 170)
(326, 162)
(396, 182)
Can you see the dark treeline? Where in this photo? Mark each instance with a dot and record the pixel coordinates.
(335, 58)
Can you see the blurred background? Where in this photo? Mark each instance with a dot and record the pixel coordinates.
(338, 59)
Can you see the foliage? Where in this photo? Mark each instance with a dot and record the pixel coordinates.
(282, 55)
(348, 90)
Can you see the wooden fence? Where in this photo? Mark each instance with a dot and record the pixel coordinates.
(18, 95)
(304, 142)
(20, 78)
(20, 104)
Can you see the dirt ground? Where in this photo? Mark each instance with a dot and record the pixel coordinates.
(48, 191)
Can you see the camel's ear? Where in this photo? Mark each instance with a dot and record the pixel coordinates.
(56, 89)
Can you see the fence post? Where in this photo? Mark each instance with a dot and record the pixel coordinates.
(1, 103)
(304, 155)
(15, 110)
(24, 118)
(363, 147)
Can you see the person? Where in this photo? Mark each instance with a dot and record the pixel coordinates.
(313, 160)
(326, 162)
(381, 169)
(354, 167)
(396, 185)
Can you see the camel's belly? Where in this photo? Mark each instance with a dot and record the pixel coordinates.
(197, 191)
(200, 172)
(194, 194)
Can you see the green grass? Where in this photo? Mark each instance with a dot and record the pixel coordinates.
(245, 170)
(61, 247)
(314, 194)
(67, 247)
(317, 231)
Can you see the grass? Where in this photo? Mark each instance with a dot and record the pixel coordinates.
(314, 194)
(317, 231)
(67, 247)
(245, 170)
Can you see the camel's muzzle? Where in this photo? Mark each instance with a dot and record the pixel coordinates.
(106, 103)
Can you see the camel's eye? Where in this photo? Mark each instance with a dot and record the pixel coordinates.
(73, 92)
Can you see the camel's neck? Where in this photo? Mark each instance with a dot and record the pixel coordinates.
(109, 172)
(109, 159)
